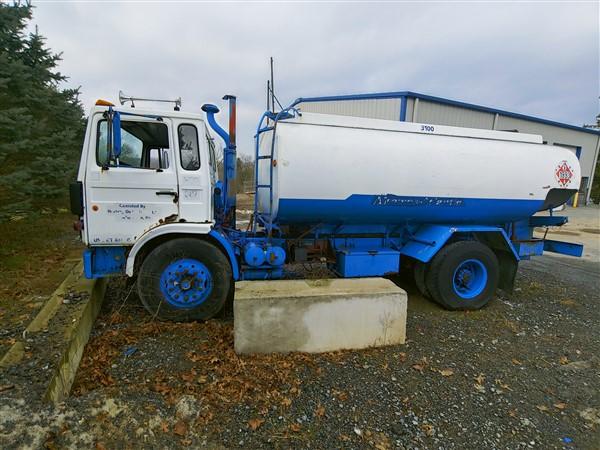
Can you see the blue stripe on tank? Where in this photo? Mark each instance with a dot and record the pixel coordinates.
(390, 208)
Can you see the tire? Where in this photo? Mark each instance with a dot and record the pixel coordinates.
(463, 276)
(184, 279)
(420, 273)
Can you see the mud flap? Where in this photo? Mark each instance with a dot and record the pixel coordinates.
(508, 270)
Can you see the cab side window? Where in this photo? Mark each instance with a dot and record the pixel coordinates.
(144, 145)
(188, 147)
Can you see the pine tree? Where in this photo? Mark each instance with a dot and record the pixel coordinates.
(41, 125)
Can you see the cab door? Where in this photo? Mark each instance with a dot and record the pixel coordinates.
(128, 198)
(193, 169)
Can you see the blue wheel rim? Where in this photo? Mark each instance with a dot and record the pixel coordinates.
(470, 279)
(186, 283)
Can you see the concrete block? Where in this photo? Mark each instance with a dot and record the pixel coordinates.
(76, 337)
(318, 315)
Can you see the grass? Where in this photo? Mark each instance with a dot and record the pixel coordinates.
(33, 254)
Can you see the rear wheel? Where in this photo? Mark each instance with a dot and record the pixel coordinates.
(463, 275)
(420, 273)
(184, 279)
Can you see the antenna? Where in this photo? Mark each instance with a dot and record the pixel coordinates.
(272, 87)
(268, 94)
(271, 97)
(127, 98)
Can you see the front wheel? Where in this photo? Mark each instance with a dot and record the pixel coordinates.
(184, 279)
(463, 275)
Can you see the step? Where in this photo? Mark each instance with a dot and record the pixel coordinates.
(318, 315)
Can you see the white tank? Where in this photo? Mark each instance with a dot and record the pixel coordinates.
(349, 170)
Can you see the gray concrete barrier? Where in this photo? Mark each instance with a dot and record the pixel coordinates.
(318, 315)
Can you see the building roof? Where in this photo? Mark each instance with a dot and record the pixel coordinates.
(444, 101)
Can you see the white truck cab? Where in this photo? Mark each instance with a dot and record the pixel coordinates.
(166, 172)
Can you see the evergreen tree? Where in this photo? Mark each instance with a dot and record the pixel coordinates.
(41, 125)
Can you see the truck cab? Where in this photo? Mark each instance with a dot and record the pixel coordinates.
(166, 172)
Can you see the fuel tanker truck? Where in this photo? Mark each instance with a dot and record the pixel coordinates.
(366, 197)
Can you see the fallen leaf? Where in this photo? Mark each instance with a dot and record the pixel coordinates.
(516, 362)
(189, 377)
(479, 388)
(503, 385)
(161, 388)
(320, 411)
(563, 360)
(344, 437)
(560, 405)
(447, 372)
(480, 378)
(164, 426)
(100, 446)
(254, 424)
(542, 407)
(341, 395)
(568, 302)
(295, 427)
(428, 429)
(201, 379)
(286, 402)
(418, 367)
(512, 413)
(180, 428)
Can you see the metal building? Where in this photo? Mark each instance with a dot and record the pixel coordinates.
(415, 107)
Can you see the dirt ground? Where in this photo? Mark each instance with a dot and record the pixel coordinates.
(34, 251)
(523, 372)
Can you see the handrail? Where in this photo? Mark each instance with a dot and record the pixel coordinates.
(281, 115)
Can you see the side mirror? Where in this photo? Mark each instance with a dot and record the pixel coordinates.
(116, 126)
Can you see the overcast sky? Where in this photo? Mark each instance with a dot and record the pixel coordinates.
(535, 58)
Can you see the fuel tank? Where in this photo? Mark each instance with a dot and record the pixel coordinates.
(349, 170)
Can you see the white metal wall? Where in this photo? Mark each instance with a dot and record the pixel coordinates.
(429, 112)
(385, 108)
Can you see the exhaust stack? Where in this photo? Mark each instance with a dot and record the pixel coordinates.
(229, 158)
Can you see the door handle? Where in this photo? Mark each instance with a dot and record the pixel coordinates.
(172, 193)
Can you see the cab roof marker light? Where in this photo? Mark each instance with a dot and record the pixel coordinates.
(101, 102)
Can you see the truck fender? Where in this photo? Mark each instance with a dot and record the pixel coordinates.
(429, 239)
(175, 229)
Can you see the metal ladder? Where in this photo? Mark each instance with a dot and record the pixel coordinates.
(266, 220)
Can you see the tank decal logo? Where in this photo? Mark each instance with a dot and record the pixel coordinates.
(564, 173)
(396, 200)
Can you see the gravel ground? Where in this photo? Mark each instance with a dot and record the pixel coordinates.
(522, 373)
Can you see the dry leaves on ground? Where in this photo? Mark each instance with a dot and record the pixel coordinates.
(255, 424)
(320, 411)
(180, 428)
